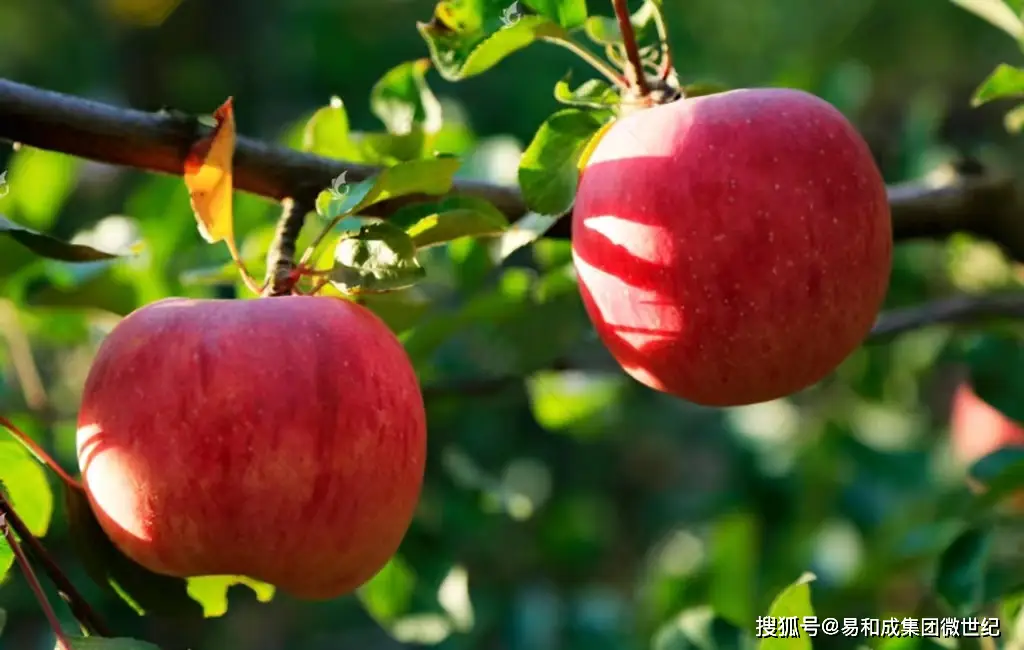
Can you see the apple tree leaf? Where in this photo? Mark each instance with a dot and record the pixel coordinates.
(960, 579)
(700, 629)
(1002, 474)
(403, 101)
(526, 230)
(144, 591)
(430, 224)
(569, 14)
(433, 177)
(50, 247)
(208, 177)
(212, 592)
(1005, 81)
(327, 133)
(996, 12)
(995, 363)
(468, 37)
(549, 168)
(604, 31)
(1014, 119)
(103, 643)
(379, 257)
(24, 483)
(593, 93)
(794, 600)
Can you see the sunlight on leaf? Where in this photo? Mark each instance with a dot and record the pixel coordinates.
(997, 13)
(23, 479)
(380, 257)
(327, 133)
(212, 592)
(793, 602)
(402, 100)
(1005, 81)
(433, 177)
(454, 217)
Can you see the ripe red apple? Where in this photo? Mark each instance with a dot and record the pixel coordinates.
(978, 429)
(282, 439)
(732, 248)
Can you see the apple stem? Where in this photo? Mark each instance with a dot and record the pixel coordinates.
(33, 583)
(80, 608)
(635, 70)
(280, 279)
(39, 452)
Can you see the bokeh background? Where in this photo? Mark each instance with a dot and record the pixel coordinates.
(566, 510)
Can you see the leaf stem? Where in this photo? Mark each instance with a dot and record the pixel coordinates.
(80, 608)
(247, 278)
(635, 69)
(39, 452)
(33, 582)
(579, 50)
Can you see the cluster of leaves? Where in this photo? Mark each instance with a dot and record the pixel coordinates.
(1006, 81)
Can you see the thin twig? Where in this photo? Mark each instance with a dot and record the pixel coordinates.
(579, 50)
(21, 357)
(39, 452)
(988, 206)
(635, 71)
(33, 581)
(949, 311)
(80, 607)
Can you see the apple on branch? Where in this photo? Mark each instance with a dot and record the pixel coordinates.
(732, 248)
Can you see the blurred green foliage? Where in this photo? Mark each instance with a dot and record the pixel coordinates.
(563, 510)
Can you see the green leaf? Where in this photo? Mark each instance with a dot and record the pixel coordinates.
(528, 229)
(560, 400)
(1005, 81)
(108, 290)
(460, 53)
(570, 14)
(602, 30)
(23, 479)
(380, 257)
(432, 177)
(996, 366)
(960, 579)
(402, 100)
(49, 247)
(1002, 474)
(146, 592)
(388, 595)
(998, 13)
(102, 643)
(793, 601)
(735, 554)
(549, 169)
(391, 149)
(450, 219)
(594, 93)
(212, 592)
(327, 133)
(605, 31)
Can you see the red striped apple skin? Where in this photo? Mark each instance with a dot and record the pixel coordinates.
(281, 438)
(732, 248)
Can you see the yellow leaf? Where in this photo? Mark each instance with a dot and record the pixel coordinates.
(209, 179)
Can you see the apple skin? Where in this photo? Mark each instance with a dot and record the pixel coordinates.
(978, 429)
(283, 439)
(732, 248)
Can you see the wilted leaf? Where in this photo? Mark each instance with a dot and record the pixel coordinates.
(143, 590)
(23, 480)
(432, 177)
(212, 592)
(1005, 81)
(101, 643)
(464, 44)
(593, 93)
(402, 99)
(327, 133)
(960, 580)
(549, 169)
(208, 177)
(380, 257)
(452, 218)
(49, 247)
(793, 601)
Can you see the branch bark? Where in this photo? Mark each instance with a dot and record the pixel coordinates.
(989, 206)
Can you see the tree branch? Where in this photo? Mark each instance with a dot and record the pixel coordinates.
(949, 311)
(988, 206)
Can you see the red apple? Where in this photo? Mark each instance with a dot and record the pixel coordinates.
(282, 439)
(732, 248)
(978, 429)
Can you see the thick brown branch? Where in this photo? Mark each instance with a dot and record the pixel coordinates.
(988, 206)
